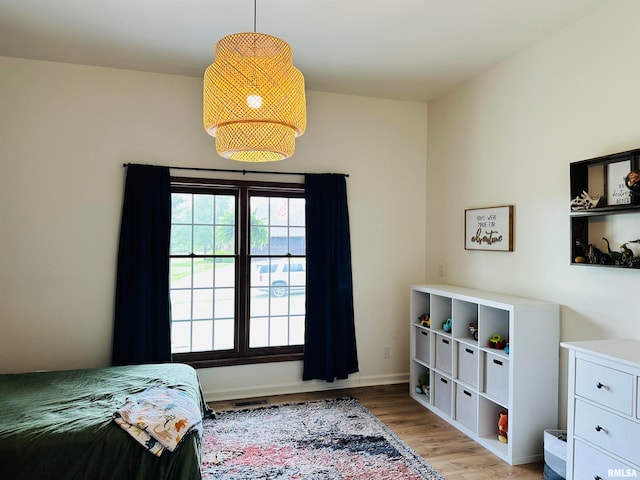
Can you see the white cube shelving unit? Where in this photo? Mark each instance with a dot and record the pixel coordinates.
(470, 383)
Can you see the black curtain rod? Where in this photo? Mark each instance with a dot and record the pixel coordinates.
(244, 172)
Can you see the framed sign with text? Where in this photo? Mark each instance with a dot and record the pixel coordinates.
(617, 191)
(489, 228)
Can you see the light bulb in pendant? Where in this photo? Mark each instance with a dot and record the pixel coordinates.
(254, 101)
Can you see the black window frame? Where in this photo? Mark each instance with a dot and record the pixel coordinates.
(243, 189)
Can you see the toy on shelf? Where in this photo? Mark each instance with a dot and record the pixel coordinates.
(473, 330)
(503, 426)
(425, 320)
(506, 349)
(446, 326)
(496, 341)
(423, 385)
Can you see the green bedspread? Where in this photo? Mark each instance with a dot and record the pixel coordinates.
(58, 425)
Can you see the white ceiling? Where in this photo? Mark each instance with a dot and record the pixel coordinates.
(401, 49)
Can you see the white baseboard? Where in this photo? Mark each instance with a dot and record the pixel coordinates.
(355, 380)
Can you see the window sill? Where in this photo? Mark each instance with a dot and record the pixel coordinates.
(226, 362)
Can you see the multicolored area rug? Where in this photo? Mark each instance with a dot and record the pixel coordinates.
(322, 440)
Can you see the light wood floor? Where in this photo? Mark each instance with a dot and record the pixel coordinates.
(452, 453)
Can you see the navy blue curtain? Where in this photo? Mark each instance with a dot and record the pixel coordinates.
(330, 340)
(142, 330)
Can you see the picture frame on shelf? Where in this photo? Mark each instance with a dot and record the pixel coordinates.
(617, 191)
(489, 228)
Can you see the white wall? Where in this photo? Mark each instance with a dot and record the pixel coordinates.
(66, 130)
(508, 137)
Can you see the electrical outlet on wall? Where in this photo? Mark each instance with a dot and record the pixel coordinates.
(386, 351)
(441, 269)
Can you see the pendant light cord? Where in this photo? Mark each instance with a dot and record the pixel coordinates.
(254, 15)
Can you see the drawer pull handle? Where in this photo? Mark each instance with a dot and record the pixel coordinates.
(601, 385)
(468, 394)
(425, 334)
(443, 380)
(469, 351)
(600, 429)
(497, 362)
(444, 340)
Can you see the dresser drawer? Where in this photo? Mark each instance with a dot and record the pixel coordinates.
(590, 463)
(609, 431)
(604, 385)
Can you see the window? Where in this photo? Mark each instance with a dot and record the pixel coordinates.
(237, 271)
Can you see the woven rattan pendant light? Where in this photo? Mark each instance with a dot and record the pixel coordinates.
(253, 99)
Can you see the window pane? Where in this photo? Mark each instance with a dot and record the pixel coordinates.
(225, 210)
(180, 337)
(259, 332)
(180, 273)
(181, 211)
(225, 272)
(296, 330)
(202, 338)
(225, 240)
(202, 272)
(225, 305)
(203, 303)
(278, 241)
(279, 211)
(259, 210)
(296, 212)
(203, 240)
(259, 240)
(203, 209)
(223, 334)
(180, 304)
(279, 331)
(297, 241)
(180, 240)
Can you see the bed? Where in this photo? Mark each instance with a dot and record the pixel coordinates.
(59, 425)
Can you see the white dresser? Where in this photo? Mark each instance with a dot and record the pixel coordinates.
(603, 410)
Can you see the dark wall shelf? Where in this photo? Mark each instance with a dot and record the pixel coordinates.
(589, 226)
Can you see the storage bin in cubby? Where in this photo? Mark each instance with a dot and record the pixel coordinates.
(468, 364)
(443, 353)
(467, 407)
(496, 377)
(442, 393)
(423, 337)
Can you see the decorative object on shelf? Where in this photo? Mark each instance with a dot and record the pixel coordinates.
(253, 98)
(632, 181)
(506, 349)
(425, 320)
(496, 341)
(489, 228)
(615, 256)
(617, 191)
(628, 259)
(585, 201)
(591, 254)
(473, 330)
(503, 426)
(424, 383)
(446, 326)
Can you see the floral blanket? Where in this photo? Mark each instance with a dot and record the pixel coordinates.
(159, 418)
